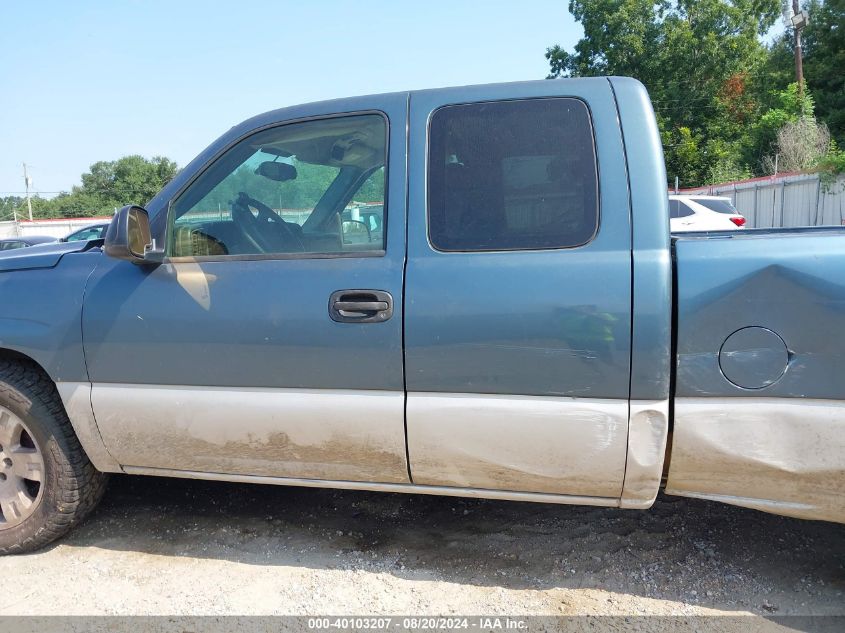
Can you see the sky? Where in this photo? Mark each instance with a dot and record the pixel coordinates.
(82, 81)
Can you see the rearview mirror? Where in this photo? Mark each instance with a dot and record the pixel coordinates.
(129, 237)
(280, 172)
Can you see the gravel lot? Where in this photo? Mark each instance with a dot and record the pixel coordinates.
(180, 547)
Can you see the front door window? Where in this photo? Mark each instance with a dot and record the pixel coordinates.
(301, 188)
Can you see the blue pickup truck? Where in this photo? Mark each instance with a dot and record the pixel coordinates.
(521, 325)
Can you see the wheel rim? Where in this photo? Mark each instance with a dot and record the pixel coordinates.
(21, 471)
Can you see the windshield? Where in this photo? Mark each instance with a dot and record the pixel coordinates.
(717, 205)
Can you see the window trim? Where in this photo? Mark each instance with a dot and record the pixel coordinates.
(510, 250)
(168, 259)
(257, 257)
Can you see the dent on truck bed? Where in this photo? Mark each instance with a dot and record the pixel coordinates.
(774, 454)
(760, 394)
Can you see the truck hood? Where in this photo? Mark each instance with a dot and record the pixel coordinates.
(43, 255)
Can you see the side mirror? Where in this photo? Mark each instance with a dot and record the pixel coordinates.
(129, 238)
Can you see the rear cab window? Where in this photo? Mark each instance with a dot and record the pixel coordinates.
(512, 175)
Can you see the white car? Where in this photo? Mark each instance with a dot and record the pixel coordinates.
(703, 213)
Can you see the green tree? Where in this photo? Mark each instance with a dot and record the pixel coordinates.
(788, 106)
(9, 205)
(131, 179)
(697, 58)
(824, 62)
(109, 184)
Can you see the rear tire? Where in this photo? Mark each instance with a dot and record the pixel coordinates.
(47, 483)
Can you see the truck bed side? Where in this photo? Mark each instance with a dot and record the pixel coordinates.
(759, 412)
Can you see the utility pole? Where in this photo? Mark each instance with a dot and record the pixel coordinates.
(799, 20)
(27, 181)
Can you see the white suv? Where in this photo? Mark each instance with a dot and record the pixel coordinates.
(703, 213)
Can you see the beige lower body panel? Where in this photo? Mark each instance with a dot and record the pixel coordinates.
(471, 493)
(76, 397)
(548, 445)
(311, 434)
(781, 455)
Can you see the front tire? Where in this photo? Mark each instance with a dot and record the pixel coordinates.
(47, 483)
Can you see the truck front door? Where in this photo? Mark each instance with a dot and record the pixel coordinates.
(269, 342)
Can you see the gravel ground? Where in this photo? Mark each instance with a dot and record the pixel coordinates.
(180, 547)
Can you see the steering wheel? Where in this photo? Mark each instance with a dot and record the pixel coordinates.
(256, 228)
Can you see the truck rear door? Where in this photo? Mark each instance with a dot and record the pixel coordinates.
(518, 289)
